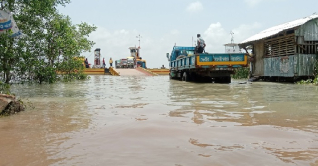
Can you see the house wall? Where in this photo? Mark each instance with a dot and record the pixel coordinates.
(283, 45)
(258, 60)
(290, 66)
(307, 38)
(304, 64)
(279, 66)
(309, 31)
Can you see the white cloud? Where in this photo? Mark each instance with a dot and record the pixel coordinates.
(253, 3)
(216, 36)
(245, 31)
(195, 7)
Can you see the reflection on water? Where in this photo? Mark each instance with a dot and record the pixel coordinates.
(156, 121)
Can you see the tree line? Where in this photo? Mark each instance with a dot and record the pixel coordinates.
(50, 42)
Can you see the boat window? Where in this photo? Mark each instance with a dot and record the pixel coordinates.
(190, 52)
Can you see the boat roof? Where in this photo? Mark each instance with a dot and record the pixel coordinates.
(231, 44)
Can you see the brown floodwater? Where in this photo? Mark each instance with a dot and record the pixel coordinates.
(146, 121)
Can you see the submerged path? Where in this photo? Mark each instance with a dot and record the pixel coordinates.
(133, 72)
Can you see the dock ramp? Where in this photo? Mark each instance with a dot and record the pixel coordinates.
(134, 72)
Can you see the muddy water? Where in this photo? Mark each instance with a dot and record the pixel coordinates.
(154, 121)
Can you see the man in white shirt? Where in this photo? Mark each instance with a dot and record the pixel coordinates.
(200, 44)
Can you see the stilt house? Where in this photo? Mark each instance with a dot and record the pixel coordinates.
(288, 50)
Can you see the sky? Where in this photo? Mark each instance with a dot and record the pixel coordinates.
(165, 23)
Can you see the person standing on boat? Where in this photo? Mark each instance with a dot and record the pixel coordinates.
(111, 62)
(200, 44)
(86, 63)
(104, 64)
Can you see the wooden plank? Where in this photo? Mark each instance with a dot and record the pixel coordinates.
(280, 37)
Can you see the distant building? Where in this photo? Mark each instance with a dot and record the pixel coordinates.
(286, 51)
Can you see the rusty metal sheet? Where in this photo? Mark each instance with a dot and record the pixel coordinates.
(279, 66)
(290, 66)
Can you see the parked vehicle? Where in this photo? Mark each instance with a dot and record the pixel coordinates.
(187, 65)
(117, 63)
(131, 62)
(123, 63)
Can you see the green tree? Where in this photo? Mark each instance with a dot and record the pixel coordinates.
(49, 41)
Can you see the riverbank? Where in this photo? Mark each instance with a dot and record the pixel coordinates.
(10, 105)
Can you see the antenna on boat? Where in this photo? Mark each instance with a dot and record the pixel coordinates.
(232, 39)
(139, 39)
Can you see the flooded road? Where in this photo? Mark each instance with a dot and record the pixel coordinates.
(146, 121)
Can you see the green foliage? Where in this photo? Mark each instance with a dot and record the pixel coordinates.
(309, 81)
(43, 73)
(241, 73)
(4, 88)
(82, 76)
(49, 44)
(72, 69)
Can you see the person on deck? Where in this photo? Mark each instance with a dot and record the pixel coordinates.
(86, 63)
(104, 64)
(200, 44)
(111, 62)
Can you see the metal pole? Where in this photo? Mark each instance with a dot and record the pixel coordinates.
(139, 44)
(139, 39)
(232, 39)
(192, 41)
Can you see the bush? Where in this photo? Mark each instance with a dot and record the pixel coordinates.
(4, 88)
(241, 73)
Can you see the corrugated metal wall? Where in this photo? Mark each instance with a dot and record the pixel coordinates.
(304, 64)
(259, 61)
(279, 66)
(290, 66)
(308, 30)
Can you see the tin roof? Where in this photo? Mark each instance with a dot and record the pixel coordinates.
(279, 28)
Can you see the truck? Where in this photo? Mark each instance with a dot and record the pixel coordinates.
(123, 63)
(187, 65)
(131, 62)
(117, 64)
